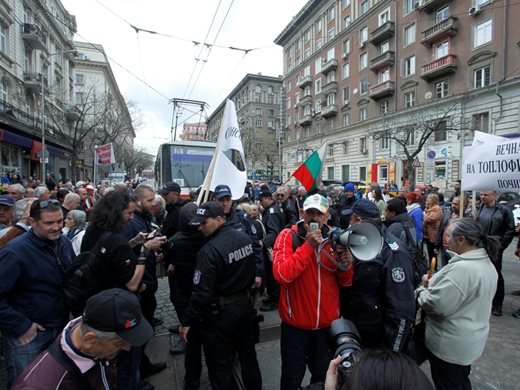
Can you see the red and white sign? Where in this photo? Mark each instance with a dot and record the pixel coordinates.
(105, 154)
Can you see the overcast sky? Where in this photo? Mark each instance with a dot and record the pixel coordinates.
(166, 60)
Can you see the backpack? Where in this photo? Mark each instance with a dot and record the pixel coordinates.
(420, 263)
(85, 277)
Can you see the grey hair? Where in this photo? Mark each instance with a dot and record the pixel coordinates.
(20, 188)
(102, 335)
(473, 234)
(39, 191)
(159, 200)
(80, 218)
(19, 207)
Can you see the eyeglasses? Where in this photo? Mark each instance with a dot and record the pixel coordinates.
(45, 203)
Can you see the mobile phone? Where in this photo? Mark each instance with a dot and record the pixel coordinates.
(314, 226)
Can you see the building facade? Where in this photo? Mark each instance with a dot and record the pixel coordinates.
(36, 39)
(387, 82)
(257, 101)
(194, 131)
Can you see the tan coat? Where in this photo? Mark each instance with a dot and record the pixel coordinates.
(432, 221)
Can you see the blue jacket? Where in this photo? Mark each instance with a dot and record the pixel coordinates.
(418, 218)
(31, 272)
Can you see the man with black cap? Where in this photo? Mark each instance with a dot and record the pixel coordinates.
(6, 211)
(225, 272)
(82, 356)
(171, 192)
(381, 301)
(238, 220)
(345, 203)
(274, 221)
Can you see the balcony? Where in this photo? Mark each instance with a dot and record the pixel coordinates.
(307, 80)
(382, 90)
(305, 120)
(382, 33)
(429, 6)
(307, 99)
(34, 36)
(330, 87)
(330, 110)
(32, 81)
(326, 67)
(440, 67)
(382, 61)
(448, 27)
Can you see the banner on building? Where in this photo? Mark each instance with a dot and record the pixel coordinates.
(105, 155)
(492, 166)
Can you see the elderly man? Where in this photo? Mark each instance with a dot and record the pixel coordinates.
(496, 220)
(112, 321)
(42, 193)
(16, 191)
(6, 211)
(32, 304)
(71, 202)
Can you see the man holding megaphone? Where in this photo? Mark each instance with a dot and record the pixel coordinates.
(380, 301)
(310, 273)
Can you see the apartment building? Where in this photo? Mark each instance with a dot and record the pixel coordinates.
(257, 100)
(383, 80)
(36, 39)
(194, 131)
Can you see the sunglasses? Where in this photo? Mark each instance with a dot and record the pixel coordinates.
(45, 203)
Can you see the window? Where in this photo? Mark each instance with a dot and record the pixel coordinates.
(346, 46)
(384, 17)
(440, 170)
(331, 151)
(409, 6)
(331, 54)
(270, 90)
(330, 171)
(258, 89)
(345, 118)
(317, 66)
(409, 34)
(383, 172)
(409, 99)
(345, 172)
(363, 60)
(440, 132)
(383, 107)
(344, 147)
(410, 133)
(441, 50)
(383, 75)
(317, 86)
(258, 111)
(384, 141)
(409, 66)
(28, 105)
(346, 21)
(307, 71)
(307, 35)
(346, 95)
(363, 86)
(331, 76)
(441, 89)
(481, 122)
(363, 34)
(4, 91)
(331, 98)
(363, 7)
(331, 34)
(3, 38)
(345, 3)
(319, 44)
(289, 86)
(442, 14)
(331, 14)
(346, 70)
(317, 106)
(258, 123)
(363, 145)
(307, 53)
(296, 98)
(482, 77)
(318, 25)
(483, 33)
(362, 173)
(317, 129)
(270, 112)
(80, 98)
(307, 91)
(384, 47)
(363, 114)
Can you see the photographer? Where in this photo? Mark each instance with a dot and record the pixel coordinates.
(310, 274)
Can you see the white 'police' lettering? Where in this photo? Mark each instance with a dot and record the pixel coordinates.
(241, 253)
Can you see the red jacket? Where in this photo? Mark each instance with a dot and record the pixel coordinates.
(309, 295)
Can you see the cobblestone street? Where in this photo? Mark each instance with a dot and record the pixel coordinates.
(497, 368)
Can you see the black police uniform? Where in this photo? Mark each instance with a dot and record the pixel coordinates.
(274, 222)
(381, 301)
(225, 272)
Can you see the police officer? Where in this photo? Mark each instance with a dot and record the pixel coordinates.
(238, 220)
(225, 272)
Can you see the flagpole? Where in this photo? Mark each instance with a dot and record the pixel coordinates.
(318, 148)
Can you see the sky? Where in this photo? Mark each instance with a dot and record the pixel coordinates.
(151, 69)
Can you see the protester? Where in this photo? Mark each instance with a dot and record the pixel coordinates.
(441, 241)
(457, 301)
(32, 303)
(309, 300)
(171, 192)
(415, 211)
(432, 221)
(6, 211)
(74, 230)
(397, 220)
(16, 191)
(83, 355)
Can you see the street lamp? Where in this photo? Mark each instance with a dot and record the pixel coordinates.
(42, 104)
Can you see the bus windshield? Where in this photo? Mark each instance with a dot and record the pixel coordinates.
(189, 164)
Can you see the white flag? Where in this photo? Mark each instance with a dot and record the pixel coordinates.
(229, 163)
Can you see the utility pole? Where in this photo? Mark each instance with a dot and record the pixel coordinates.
(177, 105)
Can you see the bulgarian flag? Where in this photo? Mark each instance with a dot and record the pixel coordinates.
(309, 172)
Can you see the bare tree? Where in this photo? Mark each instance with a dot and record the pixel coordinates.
(412, 131)
(137, 160)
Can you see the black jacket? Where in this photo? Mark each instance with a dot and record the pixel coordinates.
(225, 266)
(502, 225)
(274, 221)
(397, 225)
(171, 224)
(381, 301)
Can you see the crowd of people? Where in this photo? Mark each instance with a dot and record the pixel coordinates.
(272, 249)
